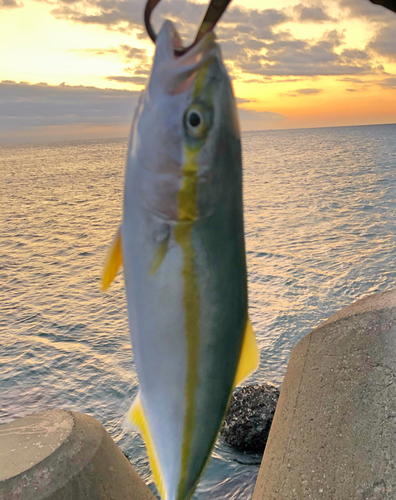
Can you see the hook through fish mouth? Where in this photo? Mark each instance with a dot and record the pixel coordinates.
(215, 10)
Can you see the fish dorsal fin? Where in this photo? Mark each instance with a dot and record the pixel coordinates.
(250, 355)
(113, 261)
(135, 419)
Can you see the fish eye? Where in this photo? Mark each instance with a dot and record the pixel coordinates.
(195, 123)
(194, 119)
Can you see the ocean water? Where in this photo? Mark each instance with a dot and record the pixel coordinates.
(320, 209)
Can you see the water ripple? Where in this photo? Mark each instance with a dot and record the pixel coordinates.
(320, 207)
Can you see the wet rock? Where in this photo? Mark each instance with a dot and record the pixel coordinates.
(249, 417)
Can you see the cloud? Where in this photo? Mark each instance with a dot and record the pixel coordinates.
(97, 52)
(126, 15)
(244, 33)
(137, 80)
(252, 20)
(351, 55)
(142, 61)
(287, 56)
(49, 103)
(358, 84)
(58, 112)
(10, 4)
(139, 71)
(308, 91)
(133, 52)
(351, 80)
(257, 48)
(121, 15)
(242, 100)
(263, 117)
(365, 9)
(129, 54)
(26, 108)
(313, 14)
(388, 83)
(297, 92)
(252, 41)
(384, 42)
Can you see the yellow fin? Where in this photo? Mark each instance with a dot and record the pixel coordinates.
(250, 355)
(113, 261)
(135, 419)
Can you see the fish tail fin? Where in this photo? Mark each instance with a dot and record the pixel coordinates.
(136, 420)
(250, 355)
(113, 261)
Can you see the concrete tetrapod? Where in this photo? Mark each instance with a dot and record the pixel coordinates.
(334, 431)
(63, 455)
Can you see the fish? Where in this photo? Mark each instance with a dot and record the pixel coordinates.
(181, 244)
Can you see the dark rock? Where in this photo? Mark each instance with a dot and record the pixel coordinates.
(249, 417)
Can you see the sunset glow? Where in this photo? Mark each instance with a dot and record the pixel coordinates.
(303, 64)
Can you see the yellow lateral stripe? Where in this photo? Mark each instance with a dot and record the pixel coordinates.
(187, 197)
(191, 308)
(113, 261)
(139, 420)
(200, 78)
(188, 214)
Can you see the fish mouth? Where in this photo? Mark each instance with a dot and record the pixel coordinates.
(170, 38)
(178, 72)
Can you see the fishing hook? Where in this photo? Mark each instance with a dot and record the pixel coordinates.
(215, 10)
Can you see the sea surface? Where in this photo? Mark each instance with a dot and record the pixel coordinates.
(320, 216)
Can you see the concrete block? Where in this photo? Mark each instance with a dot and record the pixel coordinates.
(334, 431)
(63, 455)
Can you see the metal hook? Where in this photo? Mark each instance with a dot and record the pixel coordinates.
(215, 10)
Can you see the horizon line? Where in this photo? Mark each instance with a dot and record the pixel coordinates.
(63, 141)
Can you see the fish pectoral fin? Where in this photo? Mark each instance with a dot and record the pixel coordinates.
(163, 235)
(113, 261)
(159, 256)
(250, 355)
(136, 420)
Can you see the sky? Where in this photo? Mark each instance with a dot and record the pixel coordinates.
(73, 69)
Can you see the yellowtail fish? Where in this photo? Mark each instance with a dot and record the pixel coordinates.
(182, 246)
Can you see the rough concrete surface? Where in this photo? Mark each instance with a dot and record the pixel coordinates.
(334, 432)
(62, 455)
